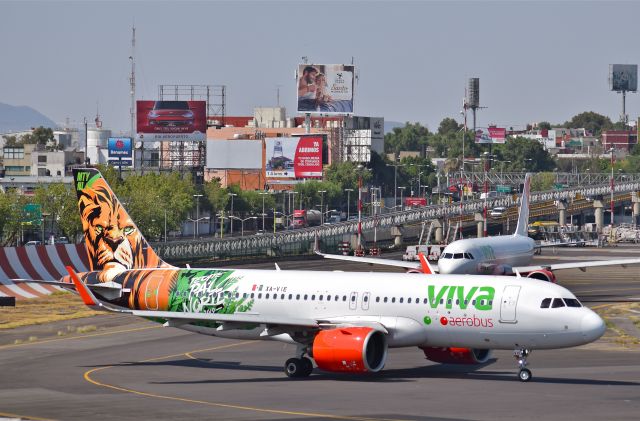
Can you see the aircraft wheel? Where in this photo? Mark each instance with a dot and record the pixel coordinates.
(524, 375)
(307, 366)
(295, 367)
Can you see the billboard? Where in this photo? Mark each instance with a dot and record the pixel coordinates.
(623, 77)
(325, 88)
(294, 157)
(234, 154)
(171, 120)
(491, 135)
(120, 147)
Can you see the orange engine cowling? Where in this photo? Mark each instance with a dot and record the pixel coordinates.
(543, 275)
(352, 349)
(457, 355)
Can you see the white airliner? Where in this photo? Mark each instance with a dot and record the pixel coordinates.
(499, 255)
(342, 322)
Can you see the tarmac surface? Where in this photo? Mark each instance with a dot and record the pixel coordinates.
(128, 368)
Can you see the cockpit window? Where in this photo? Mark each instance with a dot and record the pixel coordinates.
(557, 302)
(545, 303)
(458, 255)
(572, 302)
(447, 256)
(468, 256)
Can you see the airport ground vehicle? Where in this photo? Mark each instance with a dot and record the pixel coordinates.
(498, 211)
(342, 322)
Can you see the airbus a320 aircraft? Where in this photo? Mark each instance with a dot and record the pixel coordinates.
(498, 255)
(342, 322)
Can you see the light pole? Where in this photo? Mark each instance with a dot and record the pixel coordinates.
(322, 192)
(395, 166)
(401, 194)
(231, 213)
(196, 225)
(44, 216)
(196, 222)
(242, 222)
(612, 185)
(263, 194)
(348, 200)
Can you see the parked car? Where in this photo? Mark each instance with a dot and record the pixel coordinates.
(62, 240)
(33, 243)
(498, 211)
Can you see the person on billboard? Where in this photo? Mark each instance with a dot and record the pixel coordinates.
(307, 89)
(322, 89)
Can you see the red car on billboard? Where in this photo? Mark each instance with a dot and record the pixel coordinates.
(169, 120)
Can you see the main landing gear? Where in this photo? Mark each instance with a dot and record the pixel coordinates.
(298, 367)
(521, 355)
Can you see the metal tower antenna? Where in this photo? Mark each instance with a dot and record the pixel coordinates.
(132, 82)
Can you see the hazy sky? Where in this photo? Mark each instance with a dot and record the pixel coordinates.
(535, 60)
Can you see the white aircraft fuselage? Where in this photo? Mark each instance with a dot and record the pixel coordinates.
(416, 310)
(489, 255)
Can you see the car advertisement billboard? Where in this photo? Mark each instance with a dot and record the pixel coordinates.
(120, 147)
(171, 120)
(623, 77)
(491, 135)
(325, 88)
(294, 157)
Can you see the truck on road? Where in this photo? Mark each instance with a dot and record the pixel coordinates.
(303, 218)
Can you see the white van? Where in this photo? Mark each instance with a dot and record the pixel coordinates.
(488, 195)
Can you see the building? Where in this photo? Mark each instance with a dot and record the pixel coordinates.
(619, 139)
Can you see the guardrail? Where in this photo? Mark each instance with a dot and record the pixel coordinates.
(300, 241)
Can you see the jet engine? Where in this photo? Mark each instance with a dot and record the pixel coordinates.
(543, 275)
(351, 349)
(457, 355)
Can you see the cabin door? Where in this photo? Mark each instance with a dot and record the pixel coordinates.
(509, 303)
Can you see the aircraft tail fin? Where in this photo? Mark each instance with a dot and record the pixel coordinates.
(523, 216)
(113, 241)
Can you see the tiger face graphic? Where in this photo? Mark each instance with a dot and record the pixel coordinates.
(114, 243)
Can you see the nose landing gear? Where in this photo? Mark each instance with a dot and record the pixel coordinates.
(521, 355)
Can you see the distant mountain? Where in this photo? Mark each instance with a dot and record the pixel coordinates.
(15, 119)
(390, 125)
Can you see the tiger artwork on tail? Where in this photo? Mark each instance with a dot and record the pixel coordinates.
(114, 243)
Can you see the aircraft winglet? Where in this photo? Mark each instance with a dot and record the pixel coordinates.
(426, 267)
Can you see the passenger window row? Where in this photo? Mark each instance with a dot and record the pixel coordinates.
(560, 302)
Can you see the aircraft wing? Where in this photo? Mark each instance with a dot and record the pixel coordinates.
(372, 261)
(241, 318)
(578, 265)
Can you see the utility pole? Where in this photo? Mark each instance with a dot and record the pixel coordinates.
(132, 83)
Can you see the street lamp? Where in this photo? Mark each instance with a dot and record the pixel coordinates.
(322, 192)
(197, 226)
(263, 195)
(612, 184)
(242, 222)
(196, 223)
(348, 197)
(395, 166)
(44, 216)
(231, 213)
(401, 193)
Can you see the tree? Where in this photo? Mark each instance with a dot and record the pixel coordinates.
(543, 181)
(591, 121)
(41, 136)
(523, 154)
(411, 137)
(10, 140)
(544, 125)
(217, 197)
(449, 125)
(10, 216)
(60, 202)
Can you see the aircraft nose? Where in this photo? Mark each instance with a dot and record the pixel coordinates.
(592, 326)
